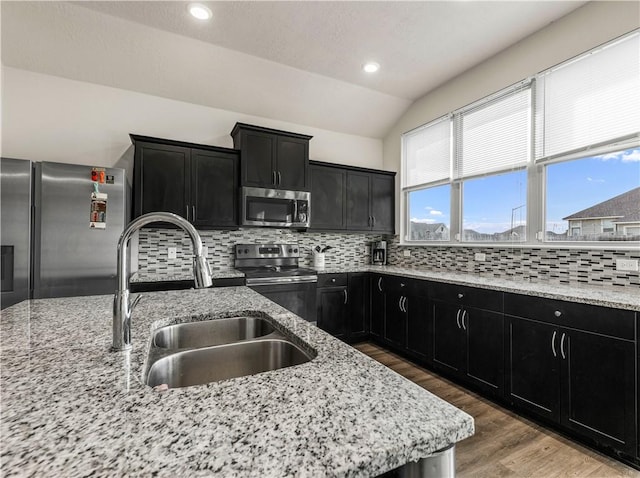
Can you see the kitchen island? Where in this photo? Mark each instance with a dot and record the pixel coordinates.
(71, 407)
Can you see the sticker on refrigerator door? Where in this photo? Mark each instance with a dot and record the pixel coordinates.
(98, 219)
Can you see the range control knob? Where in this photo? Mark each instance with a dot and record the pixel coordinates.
(295, 250)
(246, 251)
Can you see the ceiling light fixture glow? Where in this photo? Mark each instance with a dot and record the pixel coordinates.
(371, 67)
(199, 11)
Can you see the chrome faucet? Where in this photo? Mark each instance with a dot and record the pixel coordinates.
(122, 307)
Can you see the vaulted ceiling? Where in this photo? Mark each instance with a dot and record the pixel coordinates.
(294, 61)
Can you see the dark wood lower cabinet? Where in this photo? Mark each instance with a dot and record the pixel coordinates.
(533, 368)
(376, 317)
(343, 305)
(582, 382)
(333, 310)
(598, 399)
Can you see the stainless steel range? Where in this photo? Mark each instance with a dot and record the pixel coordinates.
(272, 270)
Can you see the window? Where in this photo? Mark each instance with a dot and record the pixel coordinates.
(595, 198)
(552, 158)
(494, 208)
(430, 214)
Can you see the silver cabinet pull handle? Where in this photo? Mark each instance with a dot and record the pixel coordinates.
(557, 313)
(380, 284)
(193, 213)
(186, 208)
(400, 303)
(402, 284)
(458, 318)
(404, 305)
(562, 346)
(464, 313)
(553, 344)
(373, 221)
(333, 280)
(460, 296)
(273, 177)
(279, 178)
(345, 295)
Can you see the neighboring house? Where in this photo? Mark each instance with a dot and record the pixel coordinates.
(421, 231)
(618, 216)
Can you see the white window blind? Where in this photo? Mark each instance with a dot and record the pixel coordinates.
(590, 100)
(427, 154)
(495, 135)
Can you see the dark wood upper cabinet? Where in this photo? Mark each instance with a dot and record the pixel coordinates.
(328, 197)
(351, 199)
(272, 158)
(197, 182)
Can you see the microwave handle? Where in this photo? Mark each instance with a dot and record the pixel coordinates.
(295, 210)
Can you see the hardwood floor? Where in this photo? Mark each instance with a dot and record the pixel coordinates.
(504, 445)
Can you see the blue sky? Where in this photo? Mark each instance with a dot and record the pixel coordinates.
(492, 204)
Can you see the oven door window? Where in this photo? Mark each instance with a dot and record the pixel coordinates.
(269, 210)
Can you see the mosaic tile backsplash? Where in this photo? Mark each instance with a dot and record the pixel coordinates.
(562, 266)
(347, 249)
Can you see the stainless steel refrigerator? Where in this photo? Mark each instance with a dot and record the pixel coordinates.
(60, 229)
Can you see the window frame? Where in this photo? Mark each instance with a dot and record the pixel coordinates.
(536, 179)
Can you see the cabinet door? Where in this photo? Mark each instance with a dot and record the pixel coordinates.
(598, 383)
(332, 310)
(377, 306)
(382, 203)
(214, 181)
(395, 319)
(358, 305)
(292, 157)
(485, 349)
(328, 198)
(358, 217)
(258, 153)
(533, 374)
(448, 336)
(162, 180)
(418, 342)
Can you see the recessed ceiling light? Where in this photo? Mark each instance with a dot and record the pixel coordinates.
(200, 11)
(371, 67)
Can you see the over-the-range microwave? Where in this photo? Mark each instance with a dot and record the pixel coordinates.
(275, 207)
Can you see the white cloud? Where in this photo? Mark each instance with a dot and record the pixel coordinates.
(434, 212)
(591, 180)
(631, 156)
(424, 221)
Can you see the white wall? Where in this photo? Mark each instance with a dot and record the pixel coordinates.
(49, 118)
(585, 28)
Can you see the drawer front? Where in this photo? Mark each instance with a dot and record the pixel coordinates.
(405, 286)
(332, 280)
(589, 318)
(486, 299)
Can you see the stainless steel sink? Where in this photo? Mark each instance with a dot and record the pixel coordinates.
(210, 364)
(211, 332)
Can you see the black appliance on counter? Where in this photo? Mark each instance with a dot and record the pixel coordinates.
(272, 270)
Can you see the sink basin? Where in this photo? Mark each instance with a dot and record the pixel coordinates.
(210, 364)
(211, 332)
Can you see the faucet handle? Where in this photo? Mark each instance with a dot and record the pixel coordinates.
(135, 302)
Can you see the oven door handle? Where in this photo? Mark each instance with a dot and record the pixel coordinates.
(282, 280)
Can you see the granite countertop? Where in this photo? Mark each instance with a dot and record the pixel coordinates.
(607, 296)
(615, 297)
(70, 407)
(216, 273)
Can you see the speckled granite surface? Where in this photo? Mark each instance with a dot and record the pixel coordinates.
(616, 297)
(70, 407)
(588, 294)
(216, 273)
